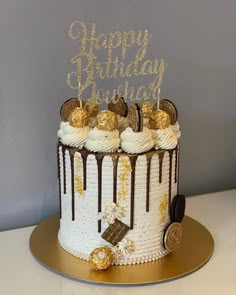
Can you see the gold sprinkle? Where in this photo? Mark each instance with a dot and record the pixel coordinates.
(79, 186)
(163, 208)
(78, 179)
(124, 177)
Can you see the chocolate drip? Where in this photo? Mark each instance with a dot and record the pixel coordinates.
(149, 158)
(84, 155)
(59, 175)
(72, 185)
(99, 159)
(176, 162)
(58, 159)
(133, 166)
(161, 156)
(115, 164)
(170, 174)
(64, 169)
(177, 179)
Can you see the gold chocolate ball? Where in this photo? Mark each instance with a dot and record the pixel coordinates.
(100, 258)
(147, 108)
(78, 118)
(107, 120)
(159, 120)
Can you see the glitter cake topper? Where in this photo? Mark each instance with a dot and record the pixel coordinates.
(114, 45)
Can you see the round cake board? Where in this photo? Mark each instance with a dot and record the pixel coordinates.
(196, 249)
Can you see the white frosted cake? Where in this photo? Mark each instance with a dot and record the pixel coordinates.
(118, 185)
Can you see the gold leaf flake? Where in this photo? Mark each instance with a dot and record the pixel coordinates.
(163, 208)
(79, 185)
(124, 177)
(78, 178)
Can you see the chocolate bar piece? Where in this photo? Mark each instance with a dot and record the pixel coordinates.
(115, 232)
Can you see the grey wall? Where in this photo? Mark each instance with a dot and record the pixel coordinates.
(198, 40)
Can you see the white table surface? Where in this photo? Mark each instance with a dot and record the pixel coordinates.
(21, 274)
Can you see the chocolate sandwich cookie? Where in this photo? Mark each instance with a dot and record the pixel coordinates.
(118, 105)
(135, 118)
(172, 236)
(177, 208)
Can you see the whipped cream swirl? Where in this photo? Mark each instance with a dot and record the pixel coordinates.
(103, 141)
(176, 130)
(136, 142)
(74, 137)
(164, 138)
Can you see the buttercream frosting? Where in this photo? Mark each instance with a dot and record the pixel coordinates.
(164, 138)
(136, 142)
(72, 136)
(102, 140)
(176, 129)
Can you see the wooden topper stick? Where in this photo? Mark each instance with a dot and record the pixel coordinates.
(79, 96)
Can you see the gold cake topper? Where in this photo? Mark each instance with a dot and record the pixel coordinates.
(114, 46)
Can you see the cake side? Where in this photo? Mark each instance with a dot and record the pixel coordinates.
(142, 185)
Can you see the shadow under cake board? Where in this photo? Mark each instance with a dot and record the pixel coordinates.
(196, 249)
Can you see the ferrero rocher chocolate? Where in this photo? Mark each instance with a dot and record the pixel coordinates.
(159, 120)
(107, 120)
(78, 118)
(101, 258)
(173, 236)
(147, 108)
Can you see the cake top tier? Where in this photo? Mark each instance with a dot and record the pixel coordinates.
(134, 129)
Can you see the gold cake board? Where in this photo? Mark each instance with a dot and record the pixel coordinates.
(196, 249)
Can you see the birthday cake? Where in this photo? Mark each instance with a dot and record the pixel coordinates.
(118, 167)
(118, 181)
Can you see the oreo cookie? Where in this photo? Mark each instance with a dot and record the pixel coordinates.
(118, 105)
(177, 208)
(135, 118)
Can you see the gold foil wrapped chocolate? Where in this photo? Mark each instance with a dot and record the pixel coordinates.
(159, 120)
(78, 118)
(107, 120)
(101, 258)
(147, 109)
